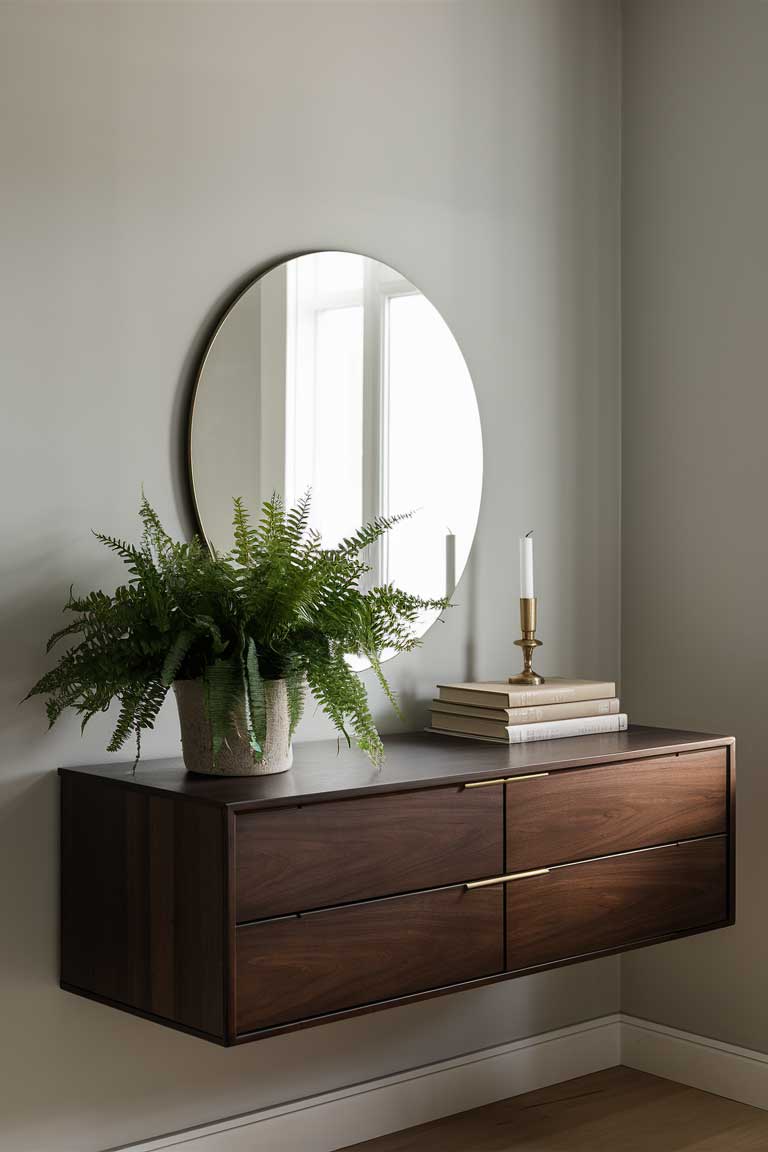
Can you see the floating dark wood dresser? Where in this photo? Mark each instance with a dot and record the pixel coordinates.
(238, 908)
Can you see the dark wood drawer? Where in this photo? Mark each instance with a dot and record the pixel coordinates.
(616, 902)
(239, 908)
(303, 966)
(576, 814)
(293, 859)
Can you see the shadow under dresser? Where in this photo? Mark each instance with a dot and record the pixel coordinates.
(237, 908)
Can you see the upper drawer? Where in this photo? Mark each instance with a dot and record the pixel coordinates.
(293, 859)
(578, 814)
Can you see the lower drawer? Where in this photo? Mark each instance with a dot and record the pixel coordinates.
(321, 962)
(616, 902)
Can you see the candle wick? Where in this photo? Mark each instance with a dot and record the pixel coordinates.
(528, 534)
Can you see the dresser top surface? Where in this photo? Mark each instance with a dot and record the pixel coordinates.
(325, 770)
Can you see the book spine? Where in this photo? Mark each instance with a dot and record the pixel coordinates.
(557, 729)
(530, 698)
(526, 697)
(544, 712)
(574, 710)
(467, 736)
(450, 723)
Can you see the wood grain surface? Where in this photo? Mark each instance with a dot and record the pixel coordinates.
(324, 770)
(573, 815)
(615, 902)
(142, 914)
(293, 859)
(619, 1110)
(302, 966)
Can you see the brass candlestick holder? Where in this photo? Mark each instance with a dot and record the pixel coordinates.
(527, 642)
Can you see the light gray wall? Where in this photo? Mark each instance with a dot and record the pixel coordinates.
(695, 255)
(152, 156)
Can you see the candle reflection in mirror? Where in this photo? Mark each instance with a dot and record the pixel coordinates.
(450, 564)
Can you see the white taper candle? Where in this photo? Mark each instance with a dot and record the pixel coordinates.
(526, 566)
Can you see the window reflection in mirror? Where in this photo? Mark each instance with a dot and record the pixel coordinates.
(333, 372)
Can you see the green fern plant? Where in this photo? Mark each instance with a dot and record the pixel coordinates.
(278, 606)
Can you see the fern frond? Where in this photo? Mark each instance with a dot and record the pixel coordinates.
(69, 630)
(369, 534)
(296, 523)
(175, 656)
(155, 540)
(246, 541)
(255, 700)
(122, 549)
(296, 696)
(378, 671)
(270, 530)
(126, 722)
(223, 694)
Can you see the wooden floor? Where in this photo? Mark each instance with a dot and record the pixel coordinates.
(615, 1111)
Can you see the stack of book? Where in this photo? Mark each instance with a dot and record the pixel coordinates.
(518, 713)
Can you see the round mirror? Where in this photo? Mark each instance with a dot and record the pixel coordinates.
(333, 372)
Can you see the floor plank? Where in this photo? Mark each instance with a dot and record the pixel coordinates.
(619, 1110)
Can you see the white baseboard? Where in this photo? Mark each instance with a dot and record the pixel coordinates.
(711, 1065)
(363, 1111)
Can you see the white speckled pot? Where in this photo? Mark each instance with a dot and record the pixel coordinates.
(236, 757)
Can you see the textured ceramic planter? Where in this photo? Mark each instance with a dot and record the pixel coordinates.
(236, 757)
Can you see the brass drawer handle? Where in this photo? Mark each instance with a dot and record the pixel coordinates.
(505, 780)
(504, 879)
